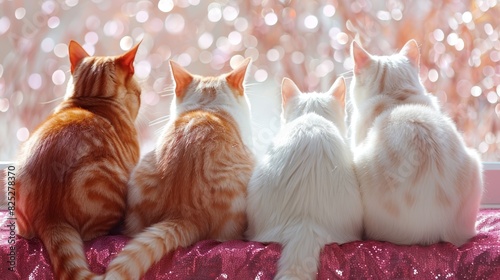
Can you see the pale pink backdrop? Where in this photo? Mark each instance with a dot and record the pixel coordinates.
(307, 41)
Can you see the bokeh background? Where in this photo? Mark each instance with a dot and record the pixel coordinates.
(307, 41)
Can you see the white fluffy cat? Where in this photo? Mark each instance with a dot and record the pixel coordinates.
(420, 184)
(304, 193)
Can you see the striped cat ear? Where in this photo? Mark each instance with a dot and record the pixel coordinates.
(76, 54)
(289, 90)
(236, 78)
(338, 90)
(411, 51)
(127, 59)
(181, 77)
(361, 58)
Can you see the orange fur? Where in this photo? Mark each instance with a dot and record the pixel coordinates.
(73, 170)
(193, 185)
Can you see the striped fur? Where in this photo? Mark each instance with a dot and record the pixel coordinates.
(419, 182)
(304, 192)
(193, 185)
(74, 168)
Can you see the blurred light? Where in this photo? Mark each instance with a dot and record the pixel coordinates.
(61, 50)
(48, 7)
(241, 24)
(492, 97)
(20, 13)
(235, 61)
(150, 97)
(205, 57)
(4, 105)
(205, 40)
(488, 29)
(329, 10)
(47, 45)
(433, 75)
(113, 28)
(298, 57)
(311, 22)
(53, 22)
(483, 147)
(1, 70)
(142, 69)
(4, 24)
(91, 38)
(438, 35)
(90, 49)
(342, 38)
(273, 55)
(214, 12)
(23, 134)
(184, 59)
(142, 16)
(165, 5)
(250, 41)
(35, 81)
(194, 2)
(384, 15)
(452, 39)
(71, 3)
(260, 75)
(234, 38)
(460, 44)
(174, 23)
(467, 17)
(126, 43)
(271, 19)
(396, 14)
(476, 91)
(58, 77)
(230, 13)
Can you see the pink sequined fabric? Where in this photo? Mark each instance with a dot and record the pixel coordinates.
(478, 259)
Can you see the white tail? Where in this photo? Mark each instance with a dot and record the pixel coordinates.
(65, 248)
(149, 246)
(300, 256)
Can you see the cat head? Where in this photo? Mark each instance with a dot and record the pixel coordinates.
(392, 75)
(329, 105)
(104, 77)
(225, 92)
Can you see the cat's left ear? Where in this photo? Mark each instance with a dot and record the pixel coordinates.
(338, 90)
(127, 59)
(411, 51)
(288, 90)
(76, 54)
(236, 78)
(360, 57)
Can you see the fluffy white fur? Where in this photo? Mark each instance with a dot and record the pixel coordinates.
(304, 192)
(419, 182)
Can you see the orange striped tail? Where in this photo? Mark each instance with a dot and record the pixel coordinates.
(149, 246)
(65, 248)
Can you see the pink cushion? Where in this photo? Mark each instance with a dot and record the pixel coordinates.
(478, 259)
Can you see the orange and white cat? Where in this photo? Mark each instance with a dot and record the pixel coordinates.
(73, 170)
(419, 182)
(192, 186)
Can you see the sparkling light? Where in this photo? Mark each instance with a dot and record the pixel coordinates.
(23, 134)
(126, 43)
(20, 13)
(260, 75)
(4, 24)
(311, 22)
(53, 22)
(47, 45)
(230, 13)
(174, 23)
(214, 12)
(271, 19)
(165, 5)
(329, 10)
(35, 81)
(58, 77)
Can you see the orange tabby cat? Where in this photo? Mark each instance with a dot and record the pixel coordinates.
(74, 169)
(193, 185)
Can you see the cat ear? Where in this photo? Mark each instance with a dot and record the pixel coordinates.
(181, 77)
(236, 78)
(360, 57)
(76, 54)
(411, 51)
(127, 59)
(338, 90)
(288, 90)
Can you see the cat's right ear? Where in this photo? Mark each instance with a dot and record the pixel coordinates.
(288, 90)
(360, 57)
(181, 77)
(76, 54)
(338, 90)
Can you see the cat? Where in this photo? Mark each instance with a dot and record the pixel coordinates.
(419, 182)
(192, 186)
(304, 193)
(74, 169)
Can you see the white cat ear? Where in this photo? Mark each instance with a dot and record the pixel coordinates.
(76, 54)
(288, 90)
(360, 57)
(181, 77)
(127, 59)
(236, 78)
(338, 90)
(412, 52)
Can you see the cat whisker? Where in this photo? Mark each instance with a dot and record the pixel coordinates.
(159, 120)
(53, 100)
